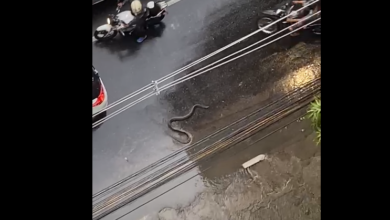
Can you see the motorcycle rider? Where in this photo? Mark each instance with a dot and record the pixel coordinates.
(299, 16)
(140, 14)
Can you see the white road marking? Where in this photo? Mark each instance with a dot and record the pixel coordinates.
(169, 3)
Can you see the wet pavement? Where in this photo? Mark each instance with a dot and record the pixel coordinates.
(291, 191)
(286, 184)
(301, 64)
(192, 29)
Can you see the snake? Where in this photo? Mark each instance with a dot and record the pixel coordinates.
(181, 118)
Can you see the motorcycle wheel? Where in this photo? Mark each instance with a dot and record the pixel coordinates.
(266, 21)
(102, 35)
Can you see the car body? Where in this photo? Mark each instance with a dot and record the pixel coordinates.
(99, 93)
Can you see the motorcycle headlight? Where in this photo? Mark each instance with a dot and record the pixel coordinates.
(108, 21)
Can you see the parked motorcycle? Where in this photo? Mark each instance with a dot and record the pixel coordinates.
(122, 21)
(271, 16)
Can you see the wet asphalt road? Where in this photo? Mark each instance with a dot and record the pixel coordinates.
(189, 186)
(192, 29)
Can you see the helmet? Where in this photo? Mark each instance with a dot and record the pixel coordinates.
(136, 7)
(150, 5)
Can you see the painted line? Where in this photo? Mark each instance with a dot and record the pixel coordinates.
(169, 3)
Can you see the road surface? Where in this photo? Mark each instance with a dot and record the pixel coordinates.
(192, 29)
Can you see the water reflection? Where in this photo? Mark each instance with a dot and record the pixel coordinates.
(286, 184)
(237, 85)
(280, 180)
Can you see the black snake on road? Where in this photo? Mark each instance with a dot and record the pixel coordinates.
(181, 118)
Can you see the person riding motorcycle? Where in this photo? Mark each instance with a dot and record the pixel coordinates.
(297, 17)
(140, 14)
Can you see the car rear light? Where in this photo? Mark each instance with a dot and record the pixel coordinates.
(100, 98)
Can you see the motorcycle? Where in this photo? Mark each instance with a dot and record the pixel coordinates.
(274, 15)
(122, 21)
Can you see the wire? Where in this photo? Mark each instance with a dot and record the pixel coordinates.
(249, 131)
(162, 160)
(227, 46)
(231, 138)
(310, 84)
(232, 54)
(123, 99)
(209, 167)
(124, 108)
(189, 147)
(162, 194)
(192, 75)
(150, 94)
(149, 86)
(185, 78)
(199, 155)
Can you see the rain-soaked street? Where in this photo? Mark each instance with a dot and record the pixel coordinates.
(192, 29)
(286, 184)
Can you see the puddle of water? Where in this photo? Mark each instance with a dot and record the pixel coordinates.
(286, 184)
(178, 192)
(232, 194)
